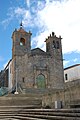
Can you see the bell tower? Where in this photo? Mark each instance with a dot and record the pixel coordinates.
(21, 45)
(53, 46)
(21, 42)
(54, 49)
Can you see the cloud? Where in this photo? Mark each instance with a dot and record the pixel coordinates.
(6, 22)
(59, 16)
(75, 60)
(66, 63)
(28, 3)
(64, 19)
(70, 62)
(17, 13)
(38, 41)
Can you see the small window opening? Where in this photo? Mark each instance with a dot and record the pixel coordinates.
(57, 44)
(54, 45)
(66, 77)
(22, 41)
(23, 80)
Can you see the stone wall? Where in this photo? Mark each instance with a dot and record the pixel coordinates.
(27, 68)
(72, 93)
(70, 96)
(53, 96)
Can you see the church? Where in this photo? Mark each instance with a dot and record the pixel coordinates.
(35, 68)
(34, 72)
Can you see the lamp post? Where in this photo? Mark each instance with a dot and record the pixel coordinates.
(16, 92)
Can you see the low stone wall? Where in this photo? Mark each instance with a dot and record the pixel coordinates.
(72, 94)
(20, 100)
(50, 99)
(69, 97)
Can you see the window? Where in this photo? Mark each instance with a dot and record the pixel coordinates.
(57, 44)
(22, 41)
(23, 80)
(66, 77)
(54, 45)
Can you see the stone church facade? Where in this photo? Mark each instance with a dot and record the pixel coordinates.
(39, 73)
(35, 68)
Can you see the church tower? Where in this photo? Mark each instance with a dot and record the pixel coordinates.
(21, 42)
(21, 46)
(54, 48)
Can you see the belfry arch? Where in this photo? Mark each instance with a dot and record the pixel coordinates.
(22, 41)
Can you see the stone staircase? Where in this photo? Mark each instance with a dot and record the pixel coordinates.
(39, 91)
(22, 113)
(27, 100)
(28, 106)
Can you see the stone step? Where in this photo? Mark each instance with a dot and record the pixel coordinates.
(50, 117)
(18, 118)
(48, 114)
(38, 117)
(2, 113)
(28, 94)
(52, 114)
(36, 90)
(23, 113)
(55, 110)
(26, 118)
(17, 108)
(9, 119)
(24, 109)
(20, 101)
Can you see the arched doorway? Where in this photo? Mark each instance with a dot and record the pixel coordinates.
(41, 83)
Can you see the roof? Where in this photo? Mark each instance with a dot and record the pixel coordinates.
(72, 66)
(21, 30)
(38, 51)
(8, 63)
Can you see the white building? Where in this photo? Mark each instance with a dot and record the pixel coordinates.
(8, 75)
(72, 73)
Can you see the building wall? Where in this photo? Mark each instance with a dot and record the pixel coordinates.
(30, 67)
(7, 76)
(2, 78)
(10, 76)
(72, 73)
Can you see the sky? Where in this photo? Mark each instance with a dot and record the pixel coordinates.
(41, 17)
